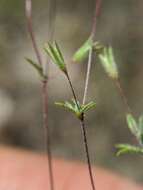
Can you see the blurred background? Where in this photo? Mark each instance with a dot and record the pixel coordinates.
(120, 24)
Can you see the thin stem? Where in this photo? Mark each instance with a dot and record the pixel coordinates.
(82, 121)
(93, 33)
(51, 18)
(72, 89)
(96, 15)
(28, 10)
(47, 132)
(123, 96)
(87, 75)
(84, 133)
(51, 30)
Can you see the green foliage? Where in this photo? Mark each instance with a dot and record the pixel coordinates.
(141, 128)
(82, 52)
(88, 106)
(141, 123)
(76, 107)
(132, 125)
(126, 148)
(55, 54)
(136, 129)
(98, 48)
(37, 67)
(108, 62)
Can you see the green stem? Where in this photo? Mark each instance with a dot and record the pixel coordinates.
(93, 33)
(82, 121)
(87, 75)
(72, 89)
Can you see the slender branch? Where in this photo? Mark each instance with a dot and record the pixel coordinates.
(84, 134)
(93, 33)
(87, 75)
(47, 132)
(51, 18)
(51, 30)
(72, 89)
(96, 15)
(28, 10)
(82, 121)
(123, 96)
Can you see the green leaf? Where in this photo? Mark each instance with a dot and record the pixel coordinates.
(132, 125)
(98, 47)
(59, 52)
(108, 62)
(71, 106)
(76, 107)
(82, 52)
(55, 54)
(88, 106)
(140, 125)
(37, 67)
(126, 148)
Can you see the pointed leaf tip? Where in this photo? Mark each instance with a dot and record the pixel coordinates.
(126, 148)
(82, 52)
(132, 125)
(37, 67)
(55, 54)
(108, 62)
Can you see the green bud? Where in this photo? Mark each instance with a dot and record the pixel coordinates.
(132, 125)
(108, 62)
(83, 51)
(55, 54)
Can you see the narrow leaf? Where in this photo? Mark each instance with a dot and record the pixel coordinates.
(141, 128)
(132, 125)
(98, 47)
(66, 105)
(141, 123)
(126, 148)
(37, 67)
(82, 52)
(59, 51)
(88, 106)
(108, 62)
(55, 54)
(71, 107)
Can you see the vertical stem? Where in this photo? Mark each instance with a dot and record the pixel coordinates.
(123, 96)
(47, 132)
(87, 75)
(28, 12)
(84, 133)
(51, 29)
(96, 15)
(93, 33)
(82, 121)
